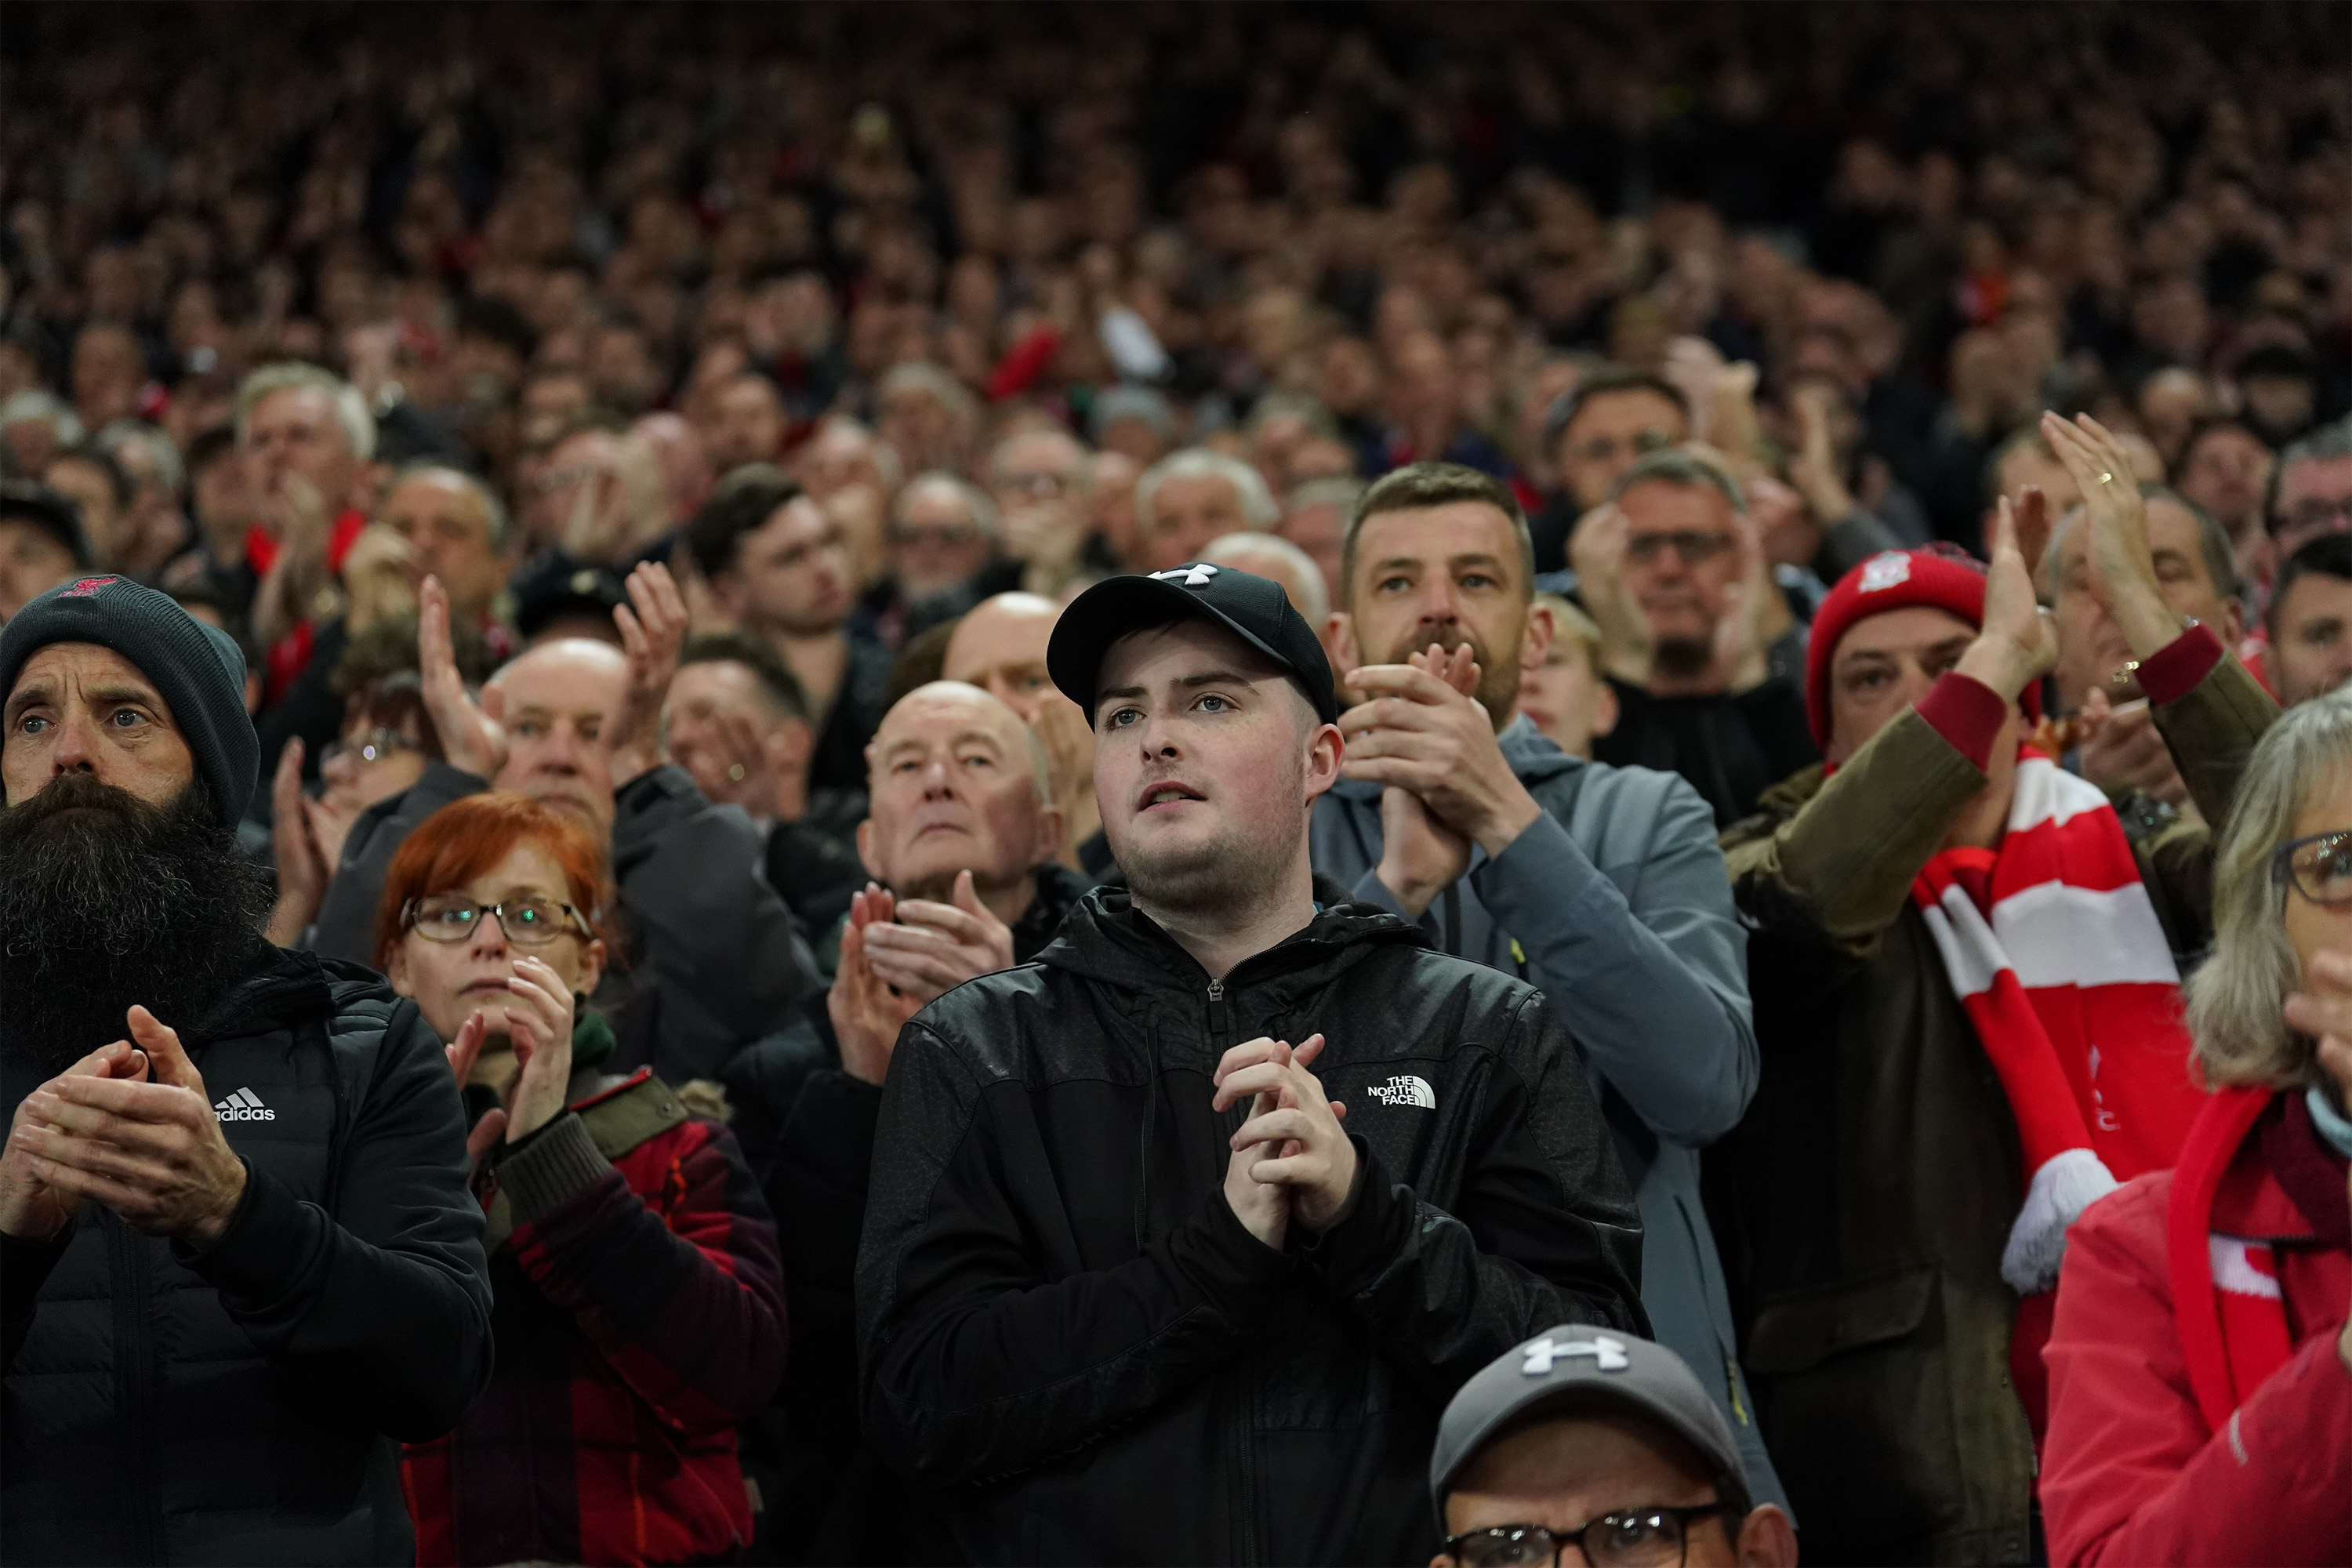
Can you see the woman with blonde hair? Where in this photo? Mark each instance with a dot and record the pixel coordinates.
(2201, 1366)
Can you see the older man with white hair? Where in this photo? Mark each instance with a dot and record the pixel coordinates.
(943, 537)
(1193, 497)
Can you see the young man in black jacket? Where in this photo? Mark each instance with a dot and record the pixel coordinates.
(1126, 1290)
(238, 1261)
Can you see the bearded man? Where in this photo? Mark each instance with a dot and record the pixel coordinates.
(1601, 885)
(238, 1259)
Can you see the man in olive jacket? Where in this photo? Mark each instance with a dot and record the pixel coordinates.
(1862, 1206)
(238, 1261)
(1127, 1291)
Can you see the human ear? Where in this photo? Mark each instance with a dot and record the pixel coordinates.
(1767, 1540)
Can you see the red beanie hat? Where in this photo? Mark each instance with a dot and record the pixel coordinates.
(1940, 577)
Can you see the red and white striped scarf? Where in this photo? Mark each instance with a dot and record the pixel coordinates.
(2057, 956)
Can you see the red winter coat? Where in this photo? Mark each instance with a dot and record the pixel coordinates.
(2192, 1424)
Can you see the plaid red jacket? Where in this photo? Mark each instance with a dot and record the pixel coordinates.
(639, 1315)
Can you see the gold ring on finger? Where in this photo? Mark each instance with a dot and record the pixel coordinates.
(735, 773)
(2106, 479)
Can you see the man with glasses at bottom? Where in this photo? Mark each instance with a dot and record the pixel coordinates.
(1587, 1446)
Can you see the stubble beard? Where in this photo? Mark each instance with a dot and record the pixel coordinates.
(1223, 879)
(118, 902)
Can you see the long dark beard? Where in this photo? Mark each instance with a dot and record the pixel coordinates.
(105, 901)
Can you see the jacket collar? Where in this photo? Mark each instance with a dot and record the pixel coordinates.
(1106, 937)
(275, 987)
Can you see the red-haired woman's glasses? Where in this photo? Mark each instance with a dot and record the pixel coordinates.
(527, 922)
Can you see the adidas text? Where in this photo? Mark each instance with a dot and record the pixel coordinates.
(243, 1105)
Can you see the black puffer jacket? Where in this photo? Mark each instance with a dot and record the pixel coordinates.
(1062, 1324)
(242, 1405)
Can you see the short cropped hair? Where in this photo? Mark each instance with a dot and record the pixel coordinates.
(1419, 485)
(1603, 383)
(493, 509)
(1676, 466)
(777, 682)
(746, 499)
(2323, 445)
(2329, 556)
(350, 408)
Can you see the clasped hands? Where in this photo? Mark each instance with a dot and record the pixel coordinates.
(131, 1126)
(1290, 1160)
(897, 956)
(1423, 734)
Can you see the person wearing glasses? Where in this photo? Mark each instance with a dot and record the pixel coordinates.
(639, 1307)
(1672, 572)
(1966, 985)
(2201, 1366)
(1588, 1446)
(2311, 489)
(1614, 418)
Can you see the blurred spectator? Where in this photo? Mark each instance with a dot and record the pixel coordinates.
(1891, 955)
(2311, 489)
(1672, 572)
(1315, 518)
(2223, 466)
(101, 493)
(153, 528)
(2310, 620)
(1000, 646)
(1185, 500)
(1453, 812)
(1566, 696)
(1600, 1443)
(1040, 479)
(1271, 555)
(2281, 385)
(685, 468)
(779, 568)
(1594, 433)
(944, 539)
(746, 423)
(633, 1262)
(927, 417)
(458, 532)
(41, 544)
(35, 426)
(2197, 1392)
(1134, 422)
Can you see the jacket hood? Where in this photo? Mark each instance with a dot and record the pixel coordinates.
(1533, 755)
(1107, 939)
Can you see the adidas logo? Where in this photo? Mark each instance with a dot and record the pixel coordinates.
(243, 1105)
(1404, 1089)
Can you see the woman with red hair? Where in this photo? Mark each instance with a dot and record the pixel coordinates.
(639, 1311)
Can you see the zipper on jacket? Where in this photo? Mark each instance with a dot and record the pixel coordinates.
(1217, 1013)
(134, 1375)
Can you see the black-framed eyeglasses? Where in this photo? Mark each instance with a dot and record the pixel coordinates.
(372, 747)
(1693, 546)
(2318, 866)
(527, 922)
(1630, 1538)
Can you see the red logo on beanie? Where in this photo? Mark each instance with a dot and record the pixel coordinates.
(88, 587)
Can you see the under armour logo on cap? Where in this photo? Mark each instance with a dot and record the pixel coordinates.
(1608, 1355)
(88, 587)
(1888, 569)
(1194, 576)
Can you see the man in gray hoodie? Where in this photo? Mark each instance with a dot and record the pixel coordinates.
(1601, 885)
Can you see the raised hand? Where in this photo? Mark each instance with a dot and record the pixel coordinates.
(540, 1027)
(2121, 745)
(31, 1209)
(472, 739)
(1742, 635)
(462, 1053)
(152, 1152)
(867, 1015)
(303, 868)
(379, 578)
(2122, 570)
(1417, 731)
(1596, 548)
(2018, 642)
(653, 629)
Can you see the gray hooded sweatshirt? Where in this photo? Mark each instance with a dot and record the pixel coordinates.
(1615, 903)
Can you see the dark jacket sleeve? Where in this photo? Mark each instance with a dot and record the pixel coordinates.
(383, 1306)
(346, 924)
(975, 1365)
(678, 1289)
(718, 940)
(24, 1268)
(1543, 1231)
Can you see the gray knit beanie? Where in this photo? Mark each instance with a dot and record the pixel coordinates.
(196, 669)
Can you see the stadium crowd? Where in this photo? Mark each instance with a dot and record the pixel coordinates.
(1176, 783)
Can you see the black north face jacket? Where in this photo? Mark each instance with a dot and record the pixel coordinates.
(241, 1405)
(1063, 1328)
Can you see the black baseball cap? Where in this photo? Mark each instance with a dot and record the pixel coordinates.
(1252, 608)
(1579, 1367)
(558, 588)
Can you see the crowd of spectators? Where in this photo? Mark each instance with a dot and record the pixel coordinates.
(644, 454)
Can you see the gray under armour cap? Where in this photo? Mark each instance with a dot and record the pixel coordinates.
(1578, 1367)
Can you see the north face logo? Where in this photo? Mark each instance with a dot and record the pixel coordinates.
(243, 1105)
(1405, 1089)
(88, 587)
